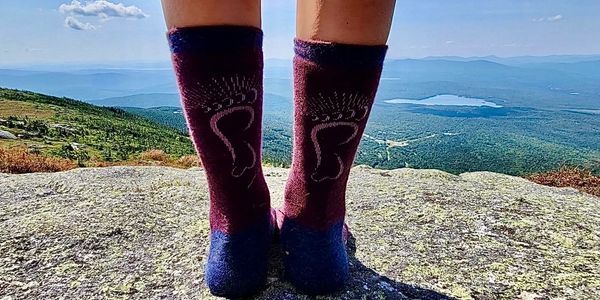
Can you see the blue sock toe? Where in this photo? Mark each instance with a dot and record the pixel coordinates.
(315, 262)
(237, 263)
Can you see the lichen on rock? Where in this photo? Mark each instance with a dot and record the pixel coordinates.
(142, 233)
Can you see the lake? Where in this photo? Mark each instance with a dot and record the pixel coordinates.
(450, 100)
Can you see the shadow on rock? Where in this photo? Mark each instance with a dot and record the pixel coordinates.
(364, 283)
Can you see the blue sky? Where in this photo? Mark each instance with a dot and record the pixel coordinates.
(40, 32)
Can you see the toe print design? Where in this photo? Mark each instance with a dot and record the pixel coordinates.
(221, 93)
(336, 119)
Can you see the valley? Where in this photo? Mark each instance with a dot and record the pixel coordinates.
(510, 115)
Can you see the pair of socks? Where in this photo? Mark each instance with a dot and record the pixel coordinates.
(219, 70)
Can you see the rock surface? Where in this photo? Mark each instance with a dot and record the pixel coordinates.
(141, 233)
(7, 135)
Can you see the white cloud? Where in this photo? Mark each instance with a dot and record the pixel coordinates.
(73, 23)
(103, 9)
(555, 18)
(549, 19)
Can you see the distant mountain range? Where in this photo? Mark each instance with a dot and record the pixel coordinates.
(565, 80)
(140, 100)
(91, 84)
(521, 60)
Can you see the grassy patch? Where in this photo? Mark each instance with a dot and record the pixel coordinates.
(24, 109)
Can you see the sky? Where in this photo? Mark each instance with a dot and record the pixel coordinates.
(101, 31)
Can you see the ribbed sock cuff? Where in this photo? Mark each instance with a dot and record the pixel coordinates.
(341, 55)
(214, 38)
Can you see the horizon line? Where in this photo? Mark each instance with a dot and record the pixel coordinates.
(113, 64)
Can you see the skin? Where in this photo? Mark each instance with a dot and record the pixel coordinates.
(362, 22)
(188, 13)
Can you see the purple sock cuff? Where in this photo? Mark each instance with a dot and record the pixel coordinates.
(214, 38)
(335, 54)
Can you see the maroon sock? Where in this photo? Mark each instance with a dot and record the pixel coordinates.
(219, 70)
(335, 85)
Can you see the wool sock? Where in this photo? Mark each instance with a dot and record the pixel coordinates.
(219, 71)
(335, 86)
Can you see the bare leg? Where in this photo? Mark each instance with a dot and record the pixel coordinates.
(186, 13)
(217, 55)
(362, 22)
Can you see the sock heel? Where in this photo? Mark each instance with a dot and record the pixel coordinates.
(315, 261)
(238, 263)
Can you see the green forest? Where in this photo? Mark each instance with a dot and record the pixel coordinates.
(509, 140)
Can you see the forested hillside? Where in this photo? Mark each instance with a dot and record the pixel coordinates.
(82, 132)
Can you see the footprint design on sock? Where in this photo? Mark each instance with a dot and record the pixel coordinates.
(337, 117)
(230, 124)
(327, 138)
